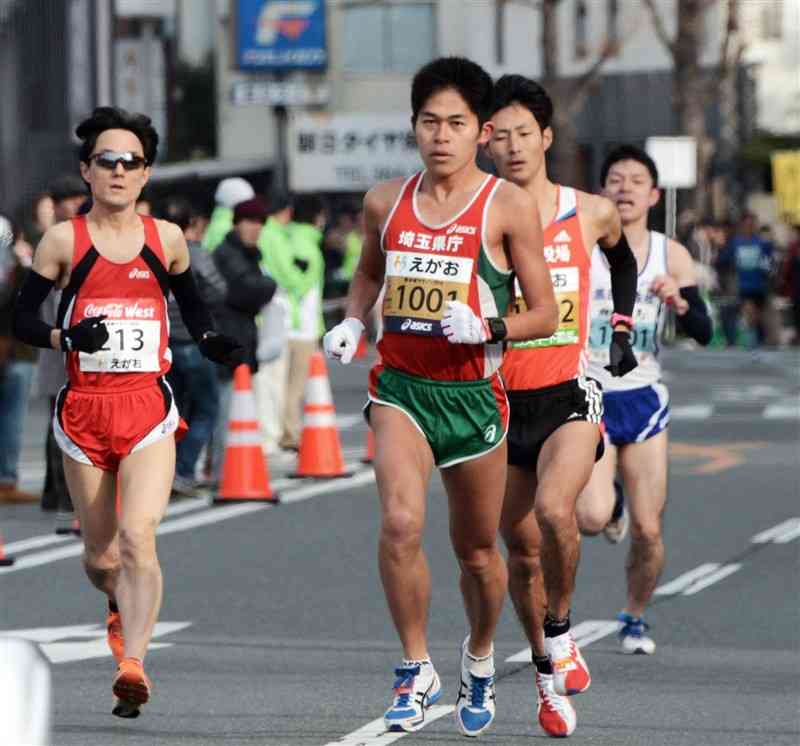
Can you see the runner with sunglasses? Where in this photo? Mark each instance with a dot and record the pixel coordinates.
(116, 420)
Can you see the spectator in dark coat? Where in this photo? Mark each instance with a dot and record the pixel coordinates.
(193, 377)
(238, 260)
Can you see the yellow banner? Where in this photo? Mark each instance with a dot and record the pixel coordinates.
(786, 183)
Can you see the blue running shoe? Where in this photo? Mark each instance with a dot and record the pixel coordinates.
(416, 688)
(475, 705)
(632, 639)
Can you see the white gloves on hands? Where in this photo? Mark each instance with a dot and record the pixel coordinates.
(341, 342)
(461, 326)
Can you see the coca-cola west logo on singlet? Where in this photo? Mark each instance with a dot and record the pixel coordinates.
(120, 311)
(139, 274)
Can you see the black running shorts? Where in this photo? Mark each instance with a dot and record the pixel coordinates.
(537, 413)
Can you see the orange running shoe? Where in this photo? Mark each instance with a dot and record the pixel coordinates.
(116, 642)
(570, 672)
(131, 688)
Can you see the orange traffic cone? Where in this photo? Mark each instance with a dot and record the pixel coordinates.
(245, 475)
(4, 560)
(320, 453)
(369, 457)
(361, 350)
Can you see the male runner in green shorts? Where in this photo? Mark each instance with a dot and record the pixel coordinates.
(445, 244)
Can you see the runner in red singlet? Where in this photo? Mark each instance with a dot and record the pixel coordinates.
(115, 420)
(554, 436)
(444, 243)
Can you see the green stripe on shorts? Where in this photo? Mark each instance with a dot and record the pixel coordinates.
(460, 419)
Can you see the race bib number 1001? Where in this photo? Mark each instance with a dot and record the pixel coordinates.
(418, 287)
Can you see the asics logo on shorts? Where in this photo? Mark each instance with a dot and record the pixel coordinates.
(416, 326)
(490, 433)
(139, 274)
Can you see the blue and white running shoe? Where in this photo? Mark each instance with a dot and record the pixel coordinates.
(416, 688)
(632, 639)
(475, 704)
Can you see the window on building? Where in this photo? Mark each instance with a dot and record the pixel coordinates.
(581, 30)
(772, 20)
(388, 37)
(612, 30)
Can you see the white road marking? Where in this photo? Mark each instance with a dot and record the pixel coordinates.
(585, 633)
(601, 629)
(347, 421)
(790, 535)
(771, 534)
(375, 733)
(36, 542)
(50, 640)
(782, 411)
(684, 581)
(692, 412)
(212, 515)
(714, 577)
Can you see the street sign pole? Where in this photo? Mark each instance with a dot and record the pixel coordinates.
(676, 160)
(671, 207)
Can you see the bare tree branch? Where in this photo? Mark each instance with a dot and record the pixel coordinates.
(580, 89)
(660, 27)
(728, 61)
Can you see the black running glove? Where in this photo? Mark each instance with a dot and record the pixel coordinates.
(88, 335)
(221, 349)
(621, 357)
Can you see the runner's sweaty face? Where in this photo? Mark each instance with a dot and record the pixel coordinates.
(630, 187)
(518, 145)
(118, 188)
(448, 133)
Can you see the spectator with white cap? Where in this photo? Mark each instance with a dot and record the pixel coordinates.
(230, 192)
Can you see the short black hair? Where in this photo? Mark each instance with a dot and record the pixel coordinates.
(279, 199)
(466, 77)
(517, 89)
(628, 153)
(177, 210)
(113, 118)
(307, 208)
(66, 186)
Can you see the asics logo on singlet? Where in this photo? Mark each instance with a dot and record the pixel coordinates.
(409, 325)
(490, 433)
(139, 274)
(467, 230)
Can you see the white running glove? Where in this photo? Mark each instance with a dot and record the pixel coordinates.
(461, 326)
(341, 342)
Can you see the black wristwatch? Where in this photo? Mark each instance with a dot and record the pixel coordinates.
(497, 329)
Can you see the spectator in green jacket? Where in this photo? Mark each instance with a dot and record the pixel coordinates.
(299, 269)
(269, 383)
(230, 192)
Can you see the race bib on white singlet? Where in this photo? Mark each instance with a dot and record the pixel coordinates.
(566, 284)
(134, 337)
(644, 337)
(418, 287)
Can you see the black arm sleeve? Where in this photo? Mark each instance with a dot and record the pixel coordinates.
(624, 275)
(26, 324)
(194, 312)
(695, 322)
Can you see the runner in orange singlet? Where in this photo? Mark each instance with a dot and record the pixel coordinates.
(115, 420)
(554, 436)
(444, 244)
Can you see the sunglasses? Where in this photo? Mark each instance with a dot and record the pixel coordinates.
(109, 159)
